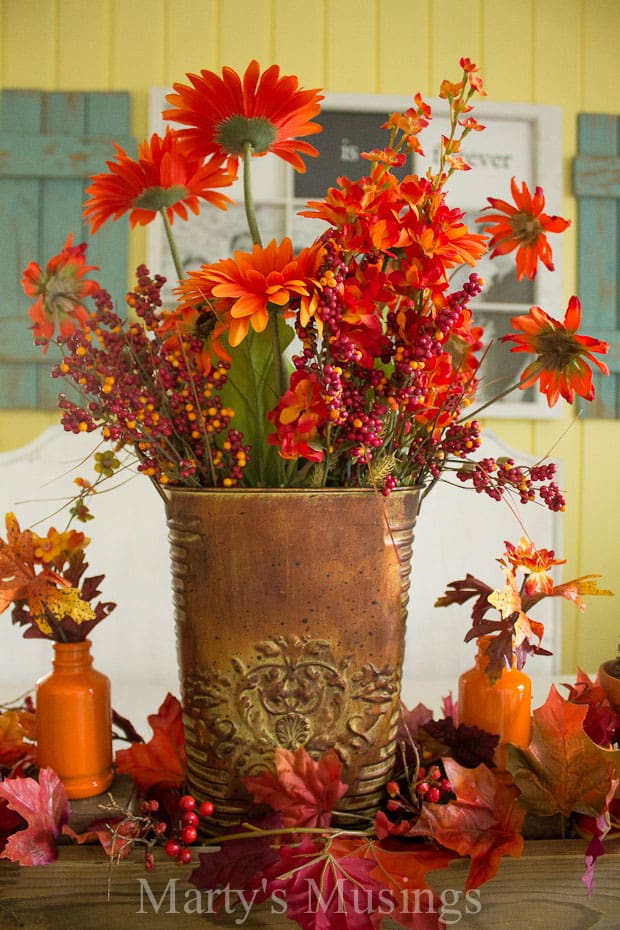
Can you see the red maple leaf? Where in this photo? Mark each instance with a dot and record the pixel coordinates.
(238, 862)
(562, 770)
(161, 761)
(323, 891)
(45, 808)
(484, 822)
(305, 792)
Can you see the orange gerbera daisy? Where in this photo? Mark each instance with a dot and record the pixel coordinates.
(524, 228)
(225, 113)
(163, 178)
(562, 359)
(59, 290)
(253, 281)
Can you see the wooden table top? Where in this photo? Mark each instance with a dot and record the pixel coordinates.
(540, 891)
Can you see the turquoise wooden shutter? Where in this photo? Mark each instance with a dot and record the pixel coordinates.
(49, 145)
(597, 188)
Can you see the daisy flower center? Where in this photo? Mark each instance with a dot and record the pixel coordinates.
(526, 228)
(557, 349)
(234, 133)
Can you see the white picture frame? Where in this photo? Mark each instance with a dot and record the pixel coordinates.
(520, 140)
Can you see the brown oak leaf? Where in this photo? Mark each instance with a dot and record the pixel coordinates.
(45, 808)
(484, 822)
(305, 792)
(561, 770)
(161, 761)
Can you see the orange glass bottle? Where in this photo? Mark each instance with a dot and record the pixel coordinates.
(502, 707)
(74, 721)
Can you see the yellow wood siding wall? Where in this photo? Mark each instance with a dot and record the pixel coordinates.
(561, 52)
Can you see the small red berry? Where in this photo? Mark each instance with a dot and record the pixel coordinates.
(184, 857)
(422, 788)
(392, 789)
(189, 835)
(149, 861)
(433, 794)
(445, 786)
(187, 802)
(160, 828)
(190, 819)
(172, 848)
(206, 809)
(393, 805)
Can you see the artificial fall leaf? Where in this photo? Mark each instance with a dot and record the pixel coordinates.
(585, 584)
(602, 722)
(305, 792)
(16, 728)
(236, 863)
(116, 835)
(10, 822)
(161, 761)
(403, 867)
(562, 770)
(19, 579)
(323, 891)
(45, 808)
(484, 822)
(467, 745)
(599, 828)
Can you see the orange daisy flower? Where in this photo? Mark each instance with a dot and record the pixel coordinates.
(162, 178)
(59, 290)
(523, 227)
(562, 360)
(225, 113)
(252, 281)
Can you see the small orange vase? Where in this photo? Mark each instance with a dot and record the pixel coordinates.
(502, 707)
(74, 721)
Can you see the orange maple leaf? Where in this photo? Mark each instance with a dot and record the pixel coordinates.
(402, 868)
(19, 580)
(562, 770)
(16, 728)
(305, 792)
(161, 761)
(484, 822)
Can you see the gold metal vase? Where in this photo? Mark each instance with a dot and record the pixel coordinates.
(290, 610)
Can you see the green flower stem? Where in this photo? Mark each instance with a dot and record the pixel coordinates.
(278, 359)
(174, 252)
(248, 197)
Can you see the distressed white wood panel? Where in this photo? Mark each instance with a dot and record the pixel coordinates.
(457, 531)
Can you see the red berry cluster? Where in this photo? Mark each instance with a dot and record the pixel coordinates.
(494, 477)
(190, 813)
(151, 385)
(430, 786)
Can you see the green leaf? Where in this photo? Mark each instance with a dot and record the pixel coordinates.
(251, 392)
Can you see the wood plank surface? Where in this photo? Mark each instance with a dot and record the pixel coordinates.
(540, 891)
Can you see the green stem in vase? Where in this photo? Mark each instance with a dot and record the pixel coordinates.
(174, 252)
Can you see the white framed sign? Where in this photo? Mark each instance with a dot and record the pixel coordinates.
(521, 141)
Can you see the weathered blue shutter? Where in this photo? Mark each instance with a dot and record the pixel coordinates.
(597, 188)
(49, 145)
